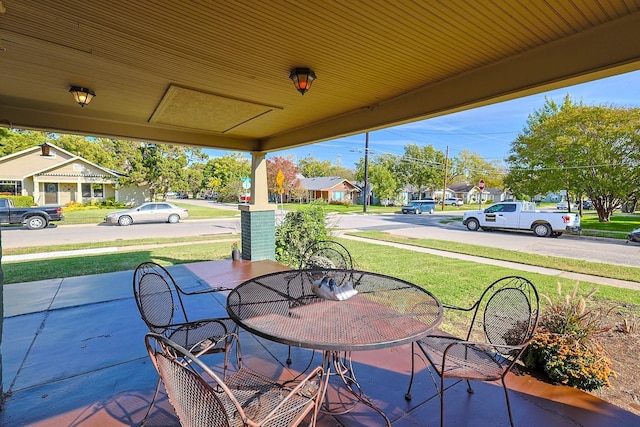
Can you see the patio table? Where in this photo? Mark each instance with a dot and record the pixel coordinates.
(385, 312)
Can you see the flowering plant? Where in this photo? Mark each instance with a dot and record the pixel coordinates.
(565, 345)
(234, 246)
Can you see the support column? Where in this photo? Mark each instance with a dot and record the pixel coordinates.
(258, 218)
(79, 197)
(36, 190)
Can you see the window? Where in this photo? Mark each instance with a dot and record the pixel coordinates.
(86, 190)
(338, 195)
(92, 190)
(495, 208)
(97, 190)
(11, 188)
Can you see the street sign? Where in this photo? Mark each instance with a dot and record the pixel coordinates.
(246, 183)
(481, 184)
(280, 178)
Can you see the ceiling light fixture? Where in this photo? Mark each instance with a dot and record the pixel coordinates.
(82, 95)
(302, 79)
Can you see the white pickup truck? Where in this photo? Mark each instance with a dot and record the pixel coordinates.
(521, 215)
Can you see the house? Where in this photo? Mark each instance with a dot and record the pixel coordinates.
(53, 175)
(471, 193)
(329, 188)
(467, 192)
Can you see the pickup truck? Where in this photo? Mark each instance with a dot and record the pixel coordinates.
(35, 218)
(522, 215)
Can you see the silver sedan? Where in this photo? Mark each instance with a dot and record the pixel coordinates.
(148, 212)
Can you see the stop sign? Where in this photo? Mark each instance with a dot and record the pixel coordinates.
(481, 184)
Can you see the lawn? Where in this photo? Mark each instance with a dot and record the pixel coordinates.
(620, 222)
(453, 280)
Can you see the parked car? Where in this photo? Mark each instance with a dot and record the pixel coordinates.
(634, 236)
(522, 215)
(34, 218)
(148, 212)
(586, 204)
(564, 205)
(419, 206)
(453, 201)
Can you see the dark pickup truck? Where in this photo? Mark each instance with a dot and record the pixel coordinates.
(34, 218)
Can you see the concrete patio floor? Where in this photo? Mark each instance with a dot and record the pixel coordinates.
(74, 355)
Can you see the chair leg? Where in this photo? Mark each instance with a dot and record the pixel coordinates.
(506, 395)
(407, 395)
(153, 400)
(469, 389)
(441, 393)
(289, 356)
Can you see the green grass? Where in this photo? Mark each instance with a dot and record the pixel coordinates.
(565, 264)
(453, 280)
(26, 271)
(459, 282)
(120, 244)
(94, 215)
(619, 222)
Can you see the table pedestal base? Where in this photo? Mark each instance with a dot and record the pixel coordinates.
(338, 363)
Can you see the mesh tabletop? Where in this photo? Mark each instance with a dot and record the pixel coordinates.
(385, 312)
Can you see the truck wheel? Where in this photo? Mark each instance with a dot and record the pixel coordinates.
(542, 230)
(418, 212)
(473, 224)
(431, 211)
(36, 223)
(174, 218)
(125, 220)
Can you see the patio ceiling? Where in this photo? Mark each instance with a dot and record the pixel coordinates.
(215, 73)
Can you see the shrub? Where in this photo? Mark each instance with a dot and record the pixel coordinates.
(565, 345)
(21, 201)
(298, 230)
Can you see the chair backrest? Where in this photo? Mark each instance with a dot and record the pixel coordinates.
(198, 395)
(157, 298)
(508, 310)
(326, 254)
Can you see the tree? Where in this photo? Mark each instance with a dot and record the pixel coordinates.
(591, 151)
(15, 140)
(470, 167)
(381, 176)
(422, 167)
(224, 175)
(288, 169)
(310, 167)
(160, 166)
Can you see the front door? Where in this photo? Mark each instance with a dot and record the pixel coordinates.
(51, 194)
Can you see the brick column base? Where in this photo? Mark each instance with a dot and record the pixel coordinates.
(258, 234)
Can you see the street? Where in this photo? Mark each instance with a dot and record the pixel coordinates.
(436, 226)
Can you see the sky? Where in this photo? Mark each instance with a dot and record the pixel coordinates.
(487, 131)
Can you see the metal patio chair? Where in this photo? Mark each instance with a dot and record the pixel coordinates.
(503, 323)
(324, 255)
(245, 398)
(161, 305)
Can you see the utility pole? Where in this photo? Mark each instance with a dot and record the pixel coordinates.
(365, 197)
(444, 185)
